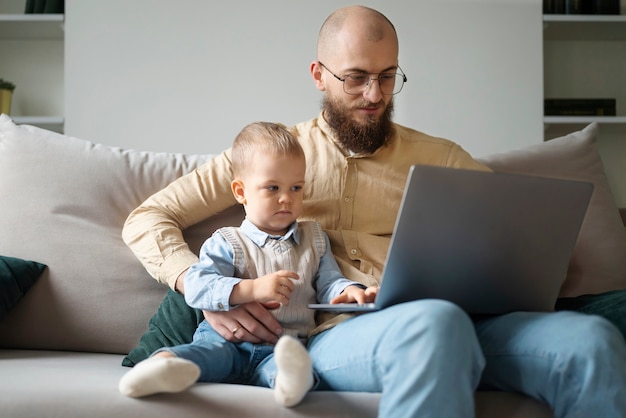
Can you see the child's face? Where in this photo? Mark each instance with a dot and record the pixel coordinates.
(271, 191)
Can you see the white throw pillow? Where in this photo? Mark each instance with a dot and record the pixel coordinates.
(64, 202)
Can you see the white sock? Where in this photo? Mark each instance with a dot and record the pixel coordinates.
(157, 375)
(295, 371)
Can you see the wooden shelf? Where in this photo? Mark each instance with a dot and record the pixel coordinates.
(31, 26)
(558, 27)
(584, 120)
(555, 126)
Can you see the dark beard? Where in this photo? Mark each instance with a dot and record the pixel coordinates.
(355, 137)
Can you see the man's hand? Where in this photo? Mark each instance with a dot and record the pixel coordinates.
(251, 322)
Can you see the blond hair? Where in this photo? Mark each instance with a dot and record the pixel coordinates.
(273, 138)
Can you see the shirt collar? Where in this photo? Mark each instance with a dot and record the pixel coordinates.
(330, 134)
(260, 238)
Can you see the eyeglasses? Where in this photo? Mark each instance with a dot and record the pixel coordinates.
(358, 83)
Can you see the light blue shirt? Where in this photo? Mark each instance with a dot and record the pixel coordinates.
(209, 283)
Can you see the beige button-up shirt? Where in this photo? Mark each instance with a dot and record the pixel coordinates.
(354, 197)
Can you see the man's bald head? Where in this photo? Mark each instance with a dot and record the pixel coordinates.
(362, 23)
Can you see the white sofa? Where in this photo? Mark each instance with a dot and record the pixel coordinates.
(63, 338)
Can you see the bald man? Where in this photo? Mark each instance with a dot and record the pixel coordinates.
(427, 357)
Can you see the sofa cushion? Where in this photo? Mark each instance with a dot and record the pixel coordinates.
(64, 384)
(16, 277)
(69, 200)
(598, 263)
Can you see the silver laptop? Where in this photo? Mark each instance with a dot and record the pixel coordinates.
(490, 242)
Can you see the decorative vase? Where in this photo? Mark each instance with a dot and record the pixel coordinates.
(5, 100)
(6, 93)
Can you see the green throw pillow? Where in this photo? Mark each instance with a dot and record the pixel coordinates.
(174, 323)
(16, 277)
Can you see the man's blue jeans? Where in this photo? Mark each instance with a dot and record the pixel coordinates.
(428, 357)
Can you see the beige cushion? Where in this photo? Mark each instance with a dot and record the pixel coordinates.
(82, 385)
(599, 260)
(64, 201)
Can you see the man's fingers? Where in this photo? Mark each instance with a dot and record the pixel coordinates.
(260, 323)
(241, 334)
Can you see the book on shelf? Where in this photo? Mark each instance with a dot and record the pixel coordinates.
(579, 107)
(578, 7)
(605, 7)
(553, 7)
(586, 7)
(44, 6)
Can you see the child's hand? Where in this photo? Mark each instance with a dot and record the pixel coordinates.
(274, 287)
(356, 294)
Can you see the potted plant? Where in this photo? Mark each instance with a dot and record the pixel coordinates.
(6, 92)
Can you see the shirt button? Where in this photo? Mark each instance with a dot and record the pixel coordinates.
(221, 306)
(346, 199)
(353, 251)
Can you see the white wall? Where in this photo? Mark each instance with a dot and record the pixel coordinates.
(185, 76)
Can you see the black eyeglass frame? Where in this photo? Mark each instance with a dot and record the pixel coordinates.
(343, 80)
